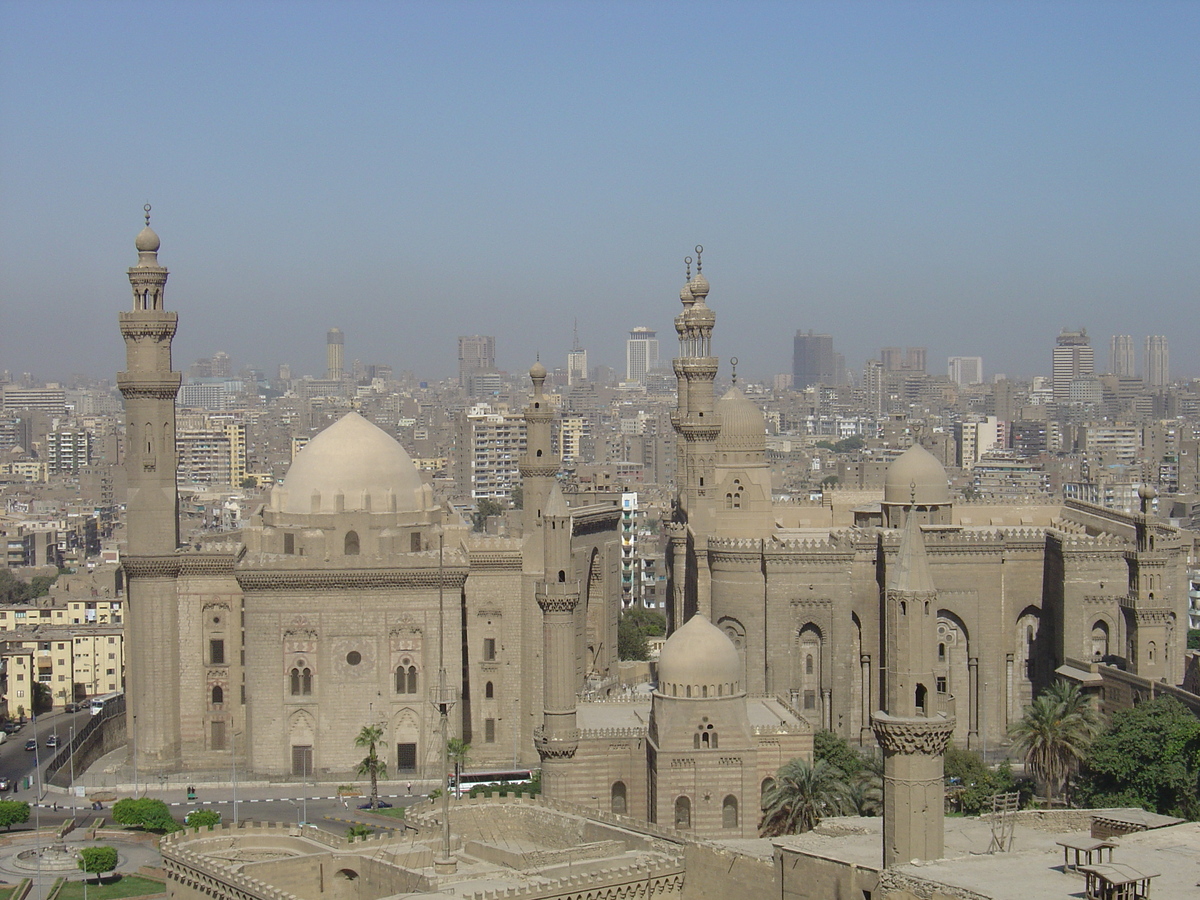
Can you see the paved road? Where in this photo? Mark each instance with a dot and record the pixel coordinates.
(16, 762)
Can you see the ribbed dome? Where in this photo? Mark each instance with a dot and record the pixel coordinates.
(354, 458)
(743, 427)
(916, 477)
(699, 656)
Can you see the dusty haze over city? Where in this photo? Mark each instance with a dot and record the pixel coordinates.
(967, 177)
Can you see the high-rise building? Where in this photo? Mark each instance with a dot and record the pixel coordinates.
(813, 360)
(1120, 356)
(641, 354)
(476, 353)
(335, 351)
(964, 370)
(68, 451)
(577, 368)
(1073, 358)
(1156, 364)
(908, 359)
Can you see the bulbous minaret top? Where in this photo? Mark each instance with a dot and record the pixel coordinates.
(148, 279)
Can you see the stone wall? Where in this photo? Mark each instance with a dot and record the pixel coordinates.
(717, 873)
(801, 876)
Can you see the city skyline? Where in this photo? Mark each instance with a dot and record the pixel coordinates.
(896, 175)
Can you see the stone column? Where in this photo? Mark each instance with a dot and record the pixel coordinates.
(973, 699)
(913, 787)
(864, 662)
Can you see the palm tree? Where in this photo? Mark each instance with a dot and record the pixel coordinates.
(801, 795)
(1055, 733)
(459, 752)
(866, 790)
(371, 766)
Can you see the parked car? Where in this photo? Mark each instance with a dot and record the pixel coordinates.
(5, 784)
(31, 744)
(52, 740)
(10, 727)
(71, 707)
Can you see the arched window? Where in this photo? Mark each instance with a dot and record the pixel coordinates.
(683, 813)
(489, 691)
(618, 798)
(766, 786)
(218, 695)
(306, 682)
(808, 664)
(729, 812)
(920, 699)
(562, 576)
(295, 682)
(696, 741)
(352, 543)
(941, 652)
(406, 679)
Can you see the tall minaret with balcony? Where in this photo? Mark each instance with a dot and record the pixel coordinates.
(694, 418)
(1150, 621)
(149, 386)
(539, 464)
(558, 596)
(911, 730)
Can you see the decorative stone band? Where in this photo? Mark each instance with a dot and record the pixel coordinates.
(285, 580)
(911, 736)
(208, 564)
(564, 603)
(560, 746)
(538, 470)
(150, 566)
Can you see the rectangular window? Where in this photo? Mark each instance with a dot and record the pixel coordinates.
(302, 761)
(216, 652)
(289, 543)
(810, 699)
(406, 757)
(941, 684)
(218, 735)
(414, 542)
(489, 731)
(489, 648)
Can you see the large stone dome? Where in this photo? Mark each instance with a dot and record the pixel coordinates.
(743, 427)
(357, 460)
(699, 661)
(916, 477)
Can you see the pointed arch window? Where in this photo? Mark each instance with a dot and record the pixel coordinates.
(351, 543)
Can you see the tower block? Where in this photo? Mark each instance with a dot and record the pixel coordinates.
(149, 387)
(911, 731)
(558, 596)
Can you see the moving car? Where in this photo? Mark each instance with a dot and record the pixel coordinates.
(52, 740)
(31, 744)
(5, 784)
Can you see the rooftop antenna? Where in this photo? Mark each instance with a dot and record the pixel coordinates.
(575, 346)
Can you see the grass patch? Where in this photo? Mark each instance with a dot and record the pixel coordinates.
(7, 892)
(113, 887)
(393, 812)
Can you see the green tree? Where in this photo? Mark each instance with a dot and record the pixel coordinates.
(144, 812)
(98, 860)
(43, 699)
(1193, 639)
(1054, 735)
(830, 747)
(371, 766)
(459, 752)
(13, 812)
(249, 483)
(358, 830)
(1149, 756)
(12, 588)
(517, 496)
(631, 641)
(202, 818)
(801, 795)
(39, 585)
(485, 509)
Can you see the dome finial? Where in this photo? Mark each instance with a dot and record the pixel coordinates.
(688, 270)
(699, 250)
(733, 362)
(147, 209)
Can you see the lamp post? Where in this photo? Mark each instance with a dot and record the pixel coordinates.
(79, 856)
(71, 757)
(135, 771)
(233, 746)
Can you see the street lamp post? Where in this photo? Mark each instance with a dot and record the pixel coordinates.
(233, 755)
(71, 756)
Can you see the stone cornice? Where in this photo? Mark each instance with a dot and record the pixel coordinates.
(151, 566)
(911, 736)
(264, 580)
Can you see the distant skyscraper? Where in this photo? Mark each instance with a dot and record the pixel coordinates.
(641, 353)
(1120, 356)
(964, 370)
(476, 353)
(1156, 363)
(335, 349)
(908, 359)
(577, 369)
(1073, 358)
(813, 360)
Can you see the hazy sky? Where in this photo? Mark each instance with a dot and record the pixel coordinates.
(971, 177)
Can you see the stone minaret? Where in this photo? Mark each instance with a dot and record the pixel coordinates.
(149, 387)
(558, 596)
(1149, 620)
(911, 730)
(695, 419)
(539, 464)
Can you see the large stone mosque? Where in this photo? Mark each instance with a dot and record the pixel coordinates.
(351, 597)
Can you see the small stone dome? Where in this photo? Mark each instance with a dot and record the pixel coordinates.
(147, 241)
(685, 295)
(537, 370)
(356, 459)
(698, 286)
(742, 424)
(916, 477)
(699, 661)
